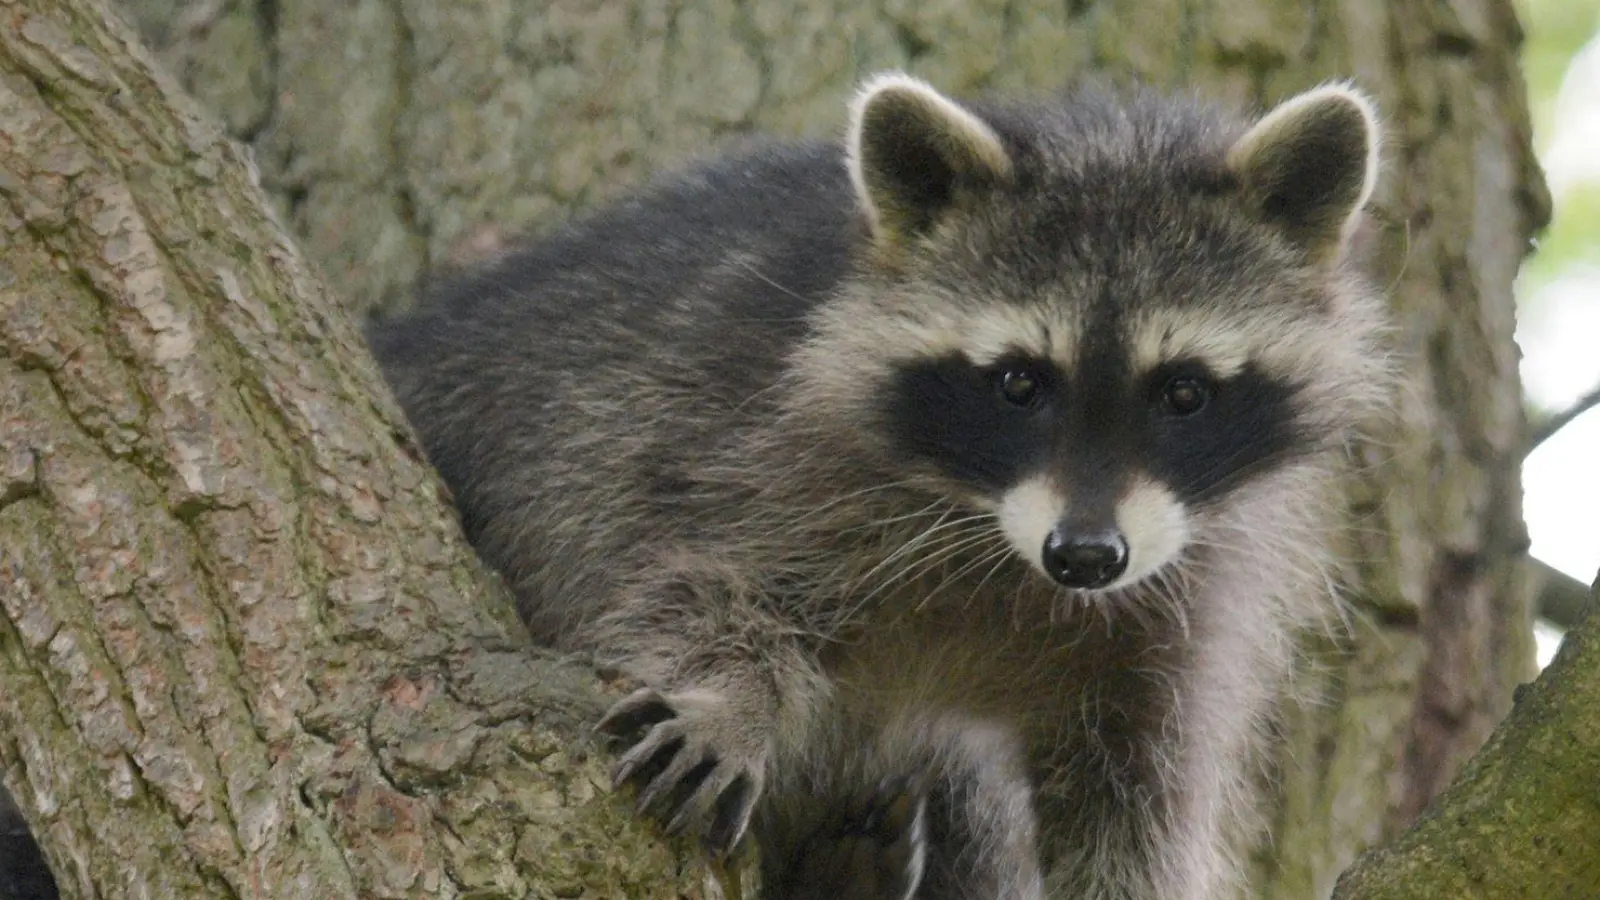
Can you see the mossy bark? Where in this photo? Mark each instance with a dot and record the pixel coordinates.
(1521, 819)
(244, 651)
(398, 135)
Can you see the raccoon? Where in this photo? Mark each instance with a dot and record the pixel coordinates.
(991, 450)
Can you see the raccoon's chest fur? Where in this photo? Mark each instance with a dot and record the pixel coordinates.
(1079, 687)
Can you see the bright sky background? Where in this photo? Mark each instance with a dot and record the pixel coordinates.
(1559, 294)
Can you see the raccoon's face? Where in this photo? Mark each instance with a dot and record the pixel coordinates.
(1104, 339)
(1095, 470)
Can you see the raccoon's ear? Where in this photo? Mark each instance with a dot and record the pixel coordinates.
(913, 153)
(1310, 165)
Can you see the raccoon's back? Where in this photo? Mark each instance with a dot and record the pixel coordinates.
(575, 393)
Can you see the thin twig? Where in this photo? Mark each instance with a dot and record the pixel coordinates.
(1546, 429)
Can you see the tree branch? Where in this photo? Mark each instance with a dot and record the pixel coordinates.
(1521, 819)
(1562, 598)
(1547, 428)
(244, 650)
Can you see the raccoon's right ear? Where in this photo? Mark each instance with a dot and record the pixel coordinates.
(913, 153)
(1310, 165)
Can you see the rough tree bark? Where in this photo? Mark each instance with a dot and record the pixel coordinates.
(243, 650)
(396, 136)
(1521, 819)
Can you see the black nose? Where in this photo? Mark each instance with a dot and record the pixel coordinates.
(1085, 560)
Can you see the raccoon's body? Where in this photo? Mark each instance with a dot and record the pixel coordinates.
(989, 452)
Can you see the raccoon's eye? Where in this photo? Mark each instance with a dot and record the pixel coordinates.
(1019, 387)
(1185, 395)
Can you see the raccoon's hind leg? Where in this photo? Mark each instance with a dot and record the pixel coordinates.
(982, 828)
(872, 846)
(978, 837)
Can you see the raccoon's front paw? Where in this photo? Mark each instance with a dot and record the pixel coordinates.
(693, 759)
(873, 847)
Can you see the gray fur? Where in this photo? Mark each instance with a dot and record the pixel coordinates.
(667, 426)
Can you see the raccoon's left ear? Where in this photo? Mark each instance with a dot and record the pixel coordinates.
(1310, 165)
(914, 153)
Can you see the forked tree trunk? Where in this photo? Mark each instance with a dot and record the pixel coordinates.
(242, 648)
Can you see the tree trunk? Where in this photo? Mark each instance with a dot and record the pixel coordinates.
(398, 136)
(243, 648)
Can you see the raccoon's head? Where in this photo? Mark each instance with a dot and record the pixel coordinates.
(1111, 322)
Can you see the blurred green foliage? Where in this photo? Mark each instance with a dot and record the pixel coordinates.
(1557, 30)
(1571, 243)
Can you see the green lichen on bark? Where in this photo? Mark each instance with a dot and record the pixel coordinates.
(1521, 819)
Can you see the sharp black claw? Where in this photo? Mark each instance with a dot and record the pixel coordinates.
(680, 820)
(647, 758)
(685, 800)
(623, 771)
(672, 780)
(730, 817)
(640, 710)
